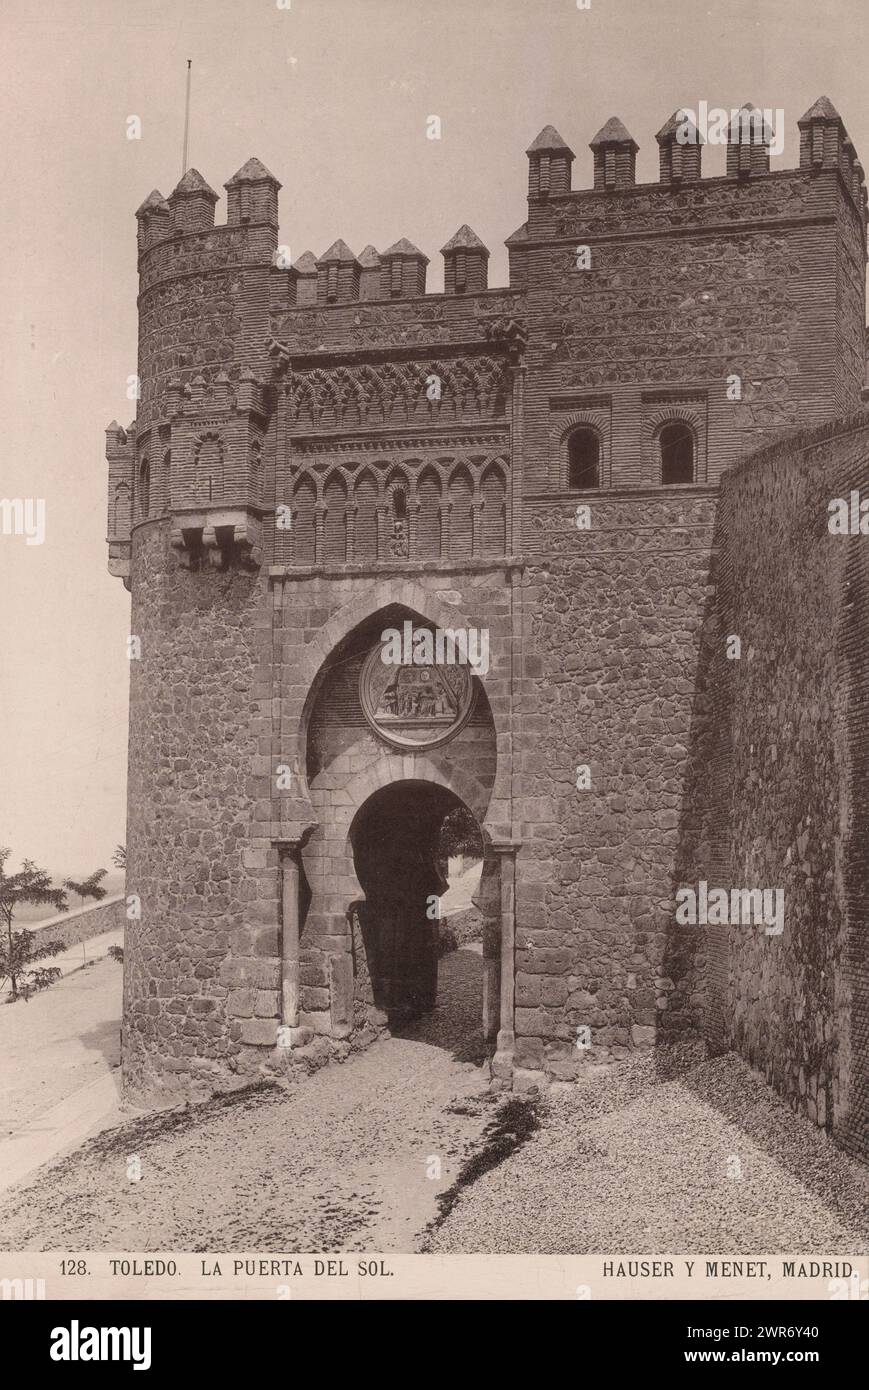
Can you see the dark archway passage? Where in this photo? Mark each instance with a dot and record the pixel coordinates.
(399, 861)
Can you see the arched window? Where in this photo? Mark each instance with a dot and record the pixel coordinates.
(208, 473)
(428, 527)
(493, 518)
(365, 540)
(335, 521)
(120, 518)
(583, 459)
(167, 480)
(144, 488)
(399, 540)
(461, 514)
(676, 442)
(305, 522)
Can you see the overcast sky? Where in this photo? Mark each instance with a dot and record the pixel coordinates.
(333, 96)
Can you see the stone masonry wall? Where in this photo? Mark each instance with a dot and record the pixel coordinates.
(790, 774)
(612, 624)
(69, 928)
(198, 842)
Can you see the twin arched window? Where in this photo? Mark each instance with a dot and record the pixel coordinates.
(677, 447)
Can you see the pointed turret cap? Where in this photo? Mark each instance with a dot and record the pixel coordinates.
(338, 251)
(154, 199)
(403, 247)
(193, 182)
(679, 119)
(549, 142)
(520, 235)
(821, 110)
(253, 171)
(613, 133)
(306, 264)
(369, 259)
(753, 111)
(465, 239)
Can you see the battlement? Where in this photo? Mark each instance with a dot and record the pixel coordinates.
(251, 195)
(338, 275)
(629, 305)
(824, 146)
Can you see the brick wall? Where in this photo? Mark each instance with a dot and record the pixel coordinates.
(788, 790)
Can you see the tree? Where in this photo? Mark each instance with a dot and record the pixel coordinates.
(119, 858)
(19, 950)
(460, 834)
(87, 887)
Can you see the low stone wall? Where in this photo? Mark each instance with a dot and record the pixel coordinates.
(70, 928)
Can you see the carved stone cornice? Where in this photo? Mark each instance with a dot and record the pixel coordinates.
(216, 537)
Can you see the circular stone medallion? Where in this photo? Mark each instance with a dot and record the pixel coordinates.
(415, 705)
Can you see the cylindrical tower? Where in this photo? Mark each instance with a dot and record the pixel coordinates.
(186, 529)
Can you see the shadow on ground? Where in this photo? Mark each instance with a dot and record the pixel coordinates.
(106, 1038)
(799, 1147)
(455, 1024)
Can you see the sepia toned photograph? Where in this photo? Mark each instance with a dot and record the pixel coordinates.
(434, 696)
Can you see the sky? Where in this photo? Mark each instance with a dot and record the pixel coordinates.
(334, 97)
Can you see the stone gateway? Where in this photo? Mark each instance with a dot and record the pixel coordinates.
(325, 453)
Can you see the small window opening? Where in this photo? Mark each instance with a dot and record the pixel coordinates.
(583, 453)
(677, 453)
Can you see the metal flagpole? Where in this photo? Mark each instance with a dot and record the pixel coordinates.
(186, 119)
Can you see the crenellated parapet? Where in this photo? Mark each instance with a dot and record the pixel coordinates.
(623, 287)
(204, 288)
(749, 187)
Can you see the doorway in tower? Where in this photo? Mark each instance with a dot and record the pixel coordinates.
(418, 935)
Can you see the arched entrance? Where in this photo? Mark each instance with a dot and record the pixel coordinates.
(400, 855)
(385, 760)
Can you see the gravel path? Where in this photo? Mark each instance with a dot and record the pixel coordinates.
(710, 1161)
(702, 1159)
(340, 1162)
